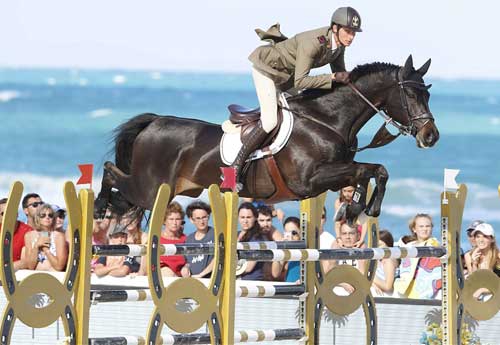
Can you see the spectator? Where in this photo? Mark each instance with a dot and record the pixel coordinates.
(172, 265)
(383, 284)
(349, 235)
(290, 225)
(421, 231)
(250, 231)
(265, 220)
(288, 271)
(472, 226)
(345, 197)
(60, 216)
(132, 223)
(30, 204)
(102, 226)
(485, 255)
(420, 277)
(20, 231)
(202, 265)
(46, 249)
(116, 266)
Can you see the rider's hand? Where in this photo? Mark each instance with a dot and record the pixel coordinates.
(341, 77)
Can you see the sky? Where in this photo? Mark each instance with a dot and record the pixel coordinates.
(218, 35)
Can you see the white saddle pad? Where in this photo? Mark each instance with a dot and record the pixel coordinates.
(230, 143)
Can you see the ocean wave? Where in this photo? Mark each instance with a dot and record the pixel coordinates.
(119, 79)
(49, 188)
(8, 95)
(407, 197)
(495, 121)
(103, 112)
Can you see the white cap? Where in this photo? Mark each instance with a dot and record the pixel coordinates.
(485, 229)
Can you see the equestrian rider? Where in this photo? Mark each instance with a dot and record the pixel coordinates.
(286, 63)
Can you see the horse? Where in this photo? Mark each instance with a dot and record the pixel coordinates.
(152, 149)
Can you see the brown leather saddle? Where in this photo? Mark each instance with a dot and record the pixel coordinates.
(247, 119)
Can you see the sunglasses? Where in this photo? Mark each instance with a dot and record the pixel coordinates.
(43, 215)
(35, 204)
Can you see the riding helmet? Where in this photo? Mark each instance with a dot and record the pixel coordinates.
(347, 17)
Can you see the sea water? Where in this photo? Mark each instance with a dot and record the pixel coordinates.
(54, 119)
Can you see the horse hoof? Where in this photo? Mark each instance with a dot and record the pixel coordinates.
(373, 212)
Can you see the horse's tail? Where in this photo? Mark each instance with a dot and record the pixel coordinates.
(124, 137)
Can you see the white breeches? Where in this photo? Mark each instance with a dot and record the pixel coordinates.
(268, 100)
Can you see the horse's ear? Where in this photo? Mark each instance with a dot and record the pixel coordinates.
(407, 68)
(425, 67)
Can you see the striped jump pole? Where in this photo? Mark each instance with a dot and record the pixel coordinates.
(242, 291)
(341, 254)
(189, 248)
(204, 338)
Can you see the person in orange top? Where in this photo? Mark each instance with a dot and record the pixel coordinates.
(172, 265)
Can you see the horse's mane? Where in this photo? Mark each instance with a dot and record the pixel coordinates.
(358, 72)
(370, 68)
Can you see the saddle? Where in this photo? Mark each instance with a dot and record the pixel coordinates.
(247, 119)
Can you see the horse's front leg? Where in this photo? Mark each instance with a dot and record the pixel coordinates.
(375, 204)
(339, 175)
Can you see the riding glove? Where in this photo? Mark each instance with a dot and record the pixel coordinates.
(342, 77)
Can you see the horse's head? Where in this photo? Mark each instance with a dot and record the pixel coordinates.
(408, 104)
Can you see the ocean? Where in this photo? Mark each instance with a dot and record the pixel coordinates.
(54, 119)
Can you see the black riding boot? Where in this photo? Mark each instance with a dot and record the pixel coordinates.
(254, 139)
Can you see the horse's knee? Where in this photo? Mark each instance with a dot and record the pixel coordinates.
(382, 175)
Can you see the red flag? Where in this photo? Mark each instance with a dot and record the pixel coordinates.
(229, 178)
(86, 170)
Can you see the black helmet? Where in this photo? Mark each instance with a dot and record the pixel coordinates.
(348, 17)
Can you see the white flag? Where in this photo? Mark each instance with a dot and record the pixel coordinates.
(449, 178)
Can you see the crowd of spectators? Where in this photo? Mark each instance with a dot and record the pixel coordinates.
(42, 244)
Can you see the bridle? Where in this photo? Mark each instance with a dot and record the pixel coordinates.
(411, 128)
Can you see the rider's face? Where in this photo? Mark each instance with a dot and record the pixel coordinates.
(345, 35)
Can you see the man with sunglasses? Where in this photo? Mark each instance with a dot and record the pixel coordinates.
(30, 203)
(20, 231)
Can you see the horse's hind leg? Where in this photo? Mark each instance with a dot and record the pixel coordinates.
(112, 177)
(103, 199)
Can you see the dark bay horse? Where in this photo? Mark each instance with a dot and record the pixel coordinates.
(152, 149)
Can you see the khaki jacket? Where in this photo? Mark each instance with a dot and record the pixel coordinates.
(288, 61)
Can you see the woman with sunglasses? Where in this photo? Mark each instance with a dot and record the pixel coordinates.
(288, 271)
(45, 249)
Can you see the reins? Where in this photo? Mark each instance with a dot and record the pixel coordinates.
(383, 136)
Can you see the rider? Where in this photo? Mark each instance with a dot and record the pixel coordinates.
(287, 62)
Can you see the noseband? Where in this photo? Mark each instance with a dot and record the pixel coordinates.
(411, 129)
